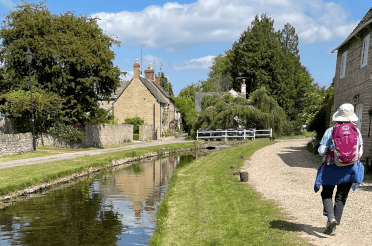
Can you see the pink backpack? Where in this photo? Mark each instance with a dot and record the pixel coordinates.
(346, 147)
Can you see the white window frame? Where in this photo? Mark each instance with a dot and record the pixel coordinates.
(358, 112)
(343, 65)
(365, 49)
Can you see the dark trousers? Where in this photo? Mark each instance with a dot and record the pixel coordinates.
(340, 198)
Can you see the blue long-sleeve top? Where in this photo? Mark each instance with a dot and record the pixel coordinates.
(334, 175)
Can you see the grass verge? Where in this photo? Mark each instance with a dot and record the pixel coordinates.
(16, 178)
(26, 155)
(206, 205)
(305, 135)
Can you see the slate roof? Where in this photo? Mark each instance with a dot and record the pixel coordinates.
(159, 94)
(365, 21)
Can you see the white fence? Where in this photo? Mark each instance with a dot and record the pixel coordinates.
(231, 135)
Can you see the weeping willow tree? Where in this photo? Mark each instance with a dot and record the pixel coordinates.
(261, 112)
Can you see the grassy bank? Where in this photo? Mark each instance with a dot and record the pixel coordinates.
(48, 150)
(16, 178)
(206, 205)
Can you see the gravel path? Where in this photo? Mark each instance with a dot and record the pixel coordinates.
(286, 172)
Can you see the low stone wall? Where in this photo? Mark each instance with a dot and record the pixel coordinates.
(47, 140)
(145, 132)
(167, 138)
(11, 144)
(101, 135)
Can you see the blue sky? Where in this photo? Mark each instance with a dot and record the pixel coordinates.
(184, 36)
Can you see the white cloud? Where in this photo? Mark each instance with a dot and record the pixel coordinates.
(174, 26)
(203, 63)
(7, 3)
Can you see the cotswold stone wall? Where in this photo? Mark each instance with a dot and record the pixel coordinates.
(145, 132)
(47, 140)
(11, 144)
(101, 135)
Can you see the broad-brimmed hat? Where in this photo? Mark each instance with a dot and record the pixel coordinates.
(345, 113)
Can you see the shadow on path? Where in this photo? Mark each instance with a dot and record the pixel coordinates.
(294, 157)
(289, 226)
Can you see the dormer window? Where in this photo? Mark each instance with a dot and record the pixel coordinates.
(343, 65)
(365, 48)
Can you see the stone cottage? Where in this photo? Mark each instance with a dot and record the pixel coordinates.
(353, 78)
(144, 98)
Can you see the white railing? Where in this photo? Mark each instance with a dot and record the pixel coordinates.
(238, 134)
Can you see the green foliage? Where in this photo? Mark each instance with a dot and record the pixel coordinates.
(136, 122)
(166, 84)
(71, 56)
(135, 136)
(17, 106)
(101, 116)
(262, 112)
(321, 119)
(69, 133)
(266, 58)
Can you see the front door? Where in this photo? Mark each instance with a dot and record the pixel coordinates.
(358, 112)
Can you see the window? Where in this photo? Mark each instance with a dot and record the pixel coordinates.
(343, 65)
(365, 48)
(358, 112)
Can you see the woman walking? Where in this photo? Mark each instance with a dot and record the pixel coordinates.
(341, 175)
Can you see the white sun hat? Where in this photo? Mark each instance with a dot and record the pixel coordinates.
(345, 113)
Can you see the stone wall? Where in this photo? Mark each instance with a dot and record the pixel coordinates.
(11, 144)
(135, 101)
(357, 81)
(145, 132)
(47, 140)
(6, 126)
(101, 135)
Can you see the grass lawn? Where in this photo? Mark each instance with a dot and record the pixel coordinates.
(305, 135)
(206, 205)
(26, 155)
(13, 179)
(47, 150)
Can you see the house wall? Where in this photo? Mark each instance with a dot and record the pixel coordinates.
(137, 100)
(6, 126)
(357, 80)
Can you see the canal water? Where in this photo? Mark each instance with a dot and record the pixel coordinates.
(112, 208)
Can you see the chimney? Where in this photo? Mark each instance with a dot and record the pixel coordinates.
(149, 73)
(157, 79)
(243, 89)
(136, 70)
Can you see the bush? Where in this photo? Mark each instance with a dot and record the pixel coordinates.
(71, 134)
(101, 116)
(136, 122)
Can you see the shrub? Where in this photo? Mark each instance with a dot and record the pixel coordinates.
(101, 116)
(136, 122)
(69, 133)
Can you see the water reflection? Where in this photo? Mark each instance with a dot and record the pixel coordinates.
(114, 208)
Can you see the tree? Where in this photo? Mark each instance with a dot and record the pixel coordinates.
(71, 57)
(48, 109)
(262, 112)
(289, 39)
(166, 84)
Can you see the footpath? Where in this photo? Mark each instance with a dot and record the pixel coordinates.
(64, 156)
(286, 171)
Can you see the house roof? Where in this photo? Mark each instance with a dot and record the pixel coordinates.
(151, 86)
(123, 85)
(367, 19)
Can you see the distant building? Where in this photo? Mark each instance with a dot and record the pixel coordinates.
(144, 98)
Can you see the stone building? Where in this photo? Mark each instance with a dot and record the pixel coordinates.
(144, 98)
(353, 77)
